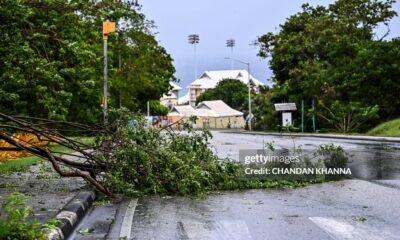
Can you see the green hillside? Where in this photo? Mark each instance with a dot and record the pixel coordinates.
(387, 129)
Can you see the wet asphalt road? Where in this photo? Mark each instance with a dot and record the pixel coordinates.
(368, 160)
(349, 209)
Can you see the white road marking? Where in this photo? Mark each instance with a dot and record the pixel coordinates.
(342, 229)
(68, 215)
(126, 226)
(55, 233)
(216, 230)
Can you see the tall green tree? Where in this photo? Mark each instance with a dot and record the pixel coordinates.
(266, 118)
(51, 55)
(232, 91)
(332, 54)
(144, 70)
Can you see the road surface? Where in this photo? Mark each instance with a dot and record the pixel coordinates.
(350, 209)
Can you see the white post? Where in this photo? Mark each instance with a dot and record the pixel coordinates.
(148, 109)
(195, 62)
(231, 58)
(105, 81)
(250, 114)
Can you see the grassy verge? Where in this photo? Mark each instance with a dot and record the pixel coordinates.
(18, 165)
(23, 164)
(387, 129)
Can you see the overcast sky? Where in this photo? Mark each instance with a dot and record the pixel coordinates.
(215, 21)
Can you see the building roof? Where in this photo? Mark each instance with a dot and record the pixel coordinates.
(215, 109)
(183, 111)
(170, 94)
(184, 99)
(175, 86)
(209, 79)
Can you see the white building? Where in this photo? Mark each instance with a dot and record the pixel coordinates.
(181, 111)
(184, 100)
(211, 114)
(209, 79)
(171, 98)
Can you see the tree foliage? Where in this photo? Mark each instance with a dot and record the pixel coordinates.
(232, 91)
(51, 54)
(347, 118)
(332, 54)
(266, 118)
(131, 158)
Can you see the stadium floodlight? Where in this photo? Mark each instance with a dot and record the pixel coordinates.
(231, 43)
(194, 39)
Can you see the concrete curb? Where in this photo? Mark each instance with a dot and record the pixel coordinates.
(349, 137)
(71, 214)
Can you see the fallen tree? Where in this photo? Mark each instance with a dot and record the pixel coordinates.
(83, 162)
(127, 156)
(133, 159)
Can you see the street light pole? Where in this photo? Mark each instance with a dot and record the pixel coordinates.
(108, 27)
(250, 113)
(105, 80)
(194, 39)
(249, 85)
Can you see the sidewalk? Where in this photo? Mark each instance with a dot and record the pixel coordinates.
(50, 195)
(320, 135)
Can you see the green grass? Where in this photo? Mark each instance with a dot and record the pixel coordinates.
(387, 129)
(23, 164)
(18, 165)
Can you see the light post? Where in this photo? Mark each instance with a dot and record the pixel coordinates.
(193, 39)
(250, 116)
(108, 27)
(231, 43)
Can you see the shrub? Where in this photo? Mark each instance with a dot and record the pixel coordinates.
(333, 155)
(17, 224)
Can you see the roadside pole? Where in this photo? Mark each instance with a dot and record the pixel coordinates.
(302, 115)
(250, 113)
(108, 27)
(105, 80)
(148, 109)
(313, 115)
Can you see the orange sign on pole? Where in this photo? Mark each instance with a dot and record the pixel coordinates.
(108, 27)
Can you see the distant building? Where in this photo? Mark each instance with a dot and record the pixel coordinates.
(210, 114)
(184, 100)
(181, 111)
(171, 98)
(217, 114)
(210, 79)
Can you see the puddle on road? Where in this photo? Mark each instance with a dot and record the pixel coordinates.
(375, 163)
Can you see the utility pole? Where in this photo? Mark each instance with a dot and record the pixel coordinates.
(108, 27)
(148, 109)
(302, 115)
(250, 113)
(119, 69)
(250, 116)
(313, 115)
(231, 43)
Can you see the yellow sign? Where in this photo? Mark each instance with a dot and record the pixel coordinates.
(108, 27)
